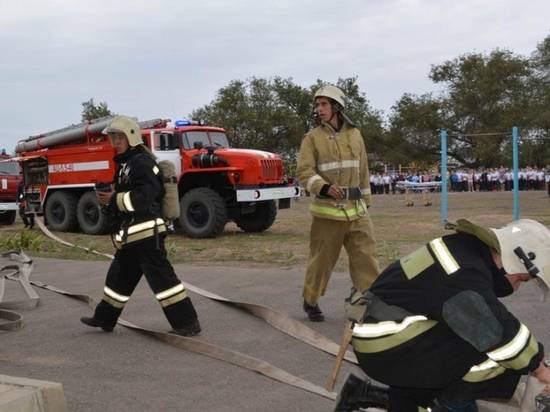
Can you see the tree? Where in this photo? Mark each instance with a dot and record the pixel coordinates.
(266, 114)
(413, 130)
(274, 114)
(91, 111)
(483, 94)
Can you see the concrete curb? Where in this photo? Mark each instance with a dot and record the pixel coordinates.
(31, 395)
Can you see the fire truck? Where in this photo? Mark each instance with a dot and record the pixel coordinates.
(216, 183)
(10, 178)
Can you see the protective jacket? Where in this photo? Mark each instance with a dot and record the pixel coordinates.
(136, 202)
(331, 157)
(437, 325)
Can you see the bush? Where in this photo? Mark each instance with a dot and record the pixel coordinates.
(24, 239)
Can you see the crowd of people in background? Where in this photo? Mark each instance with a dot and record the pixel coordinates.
(467, 180)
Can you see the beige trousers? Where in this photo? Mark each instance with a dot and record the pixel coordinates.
(326, 240)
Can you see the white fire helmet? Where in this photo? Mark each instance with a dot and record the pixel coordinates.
(128, 126)
(332, 92)
(533, 239)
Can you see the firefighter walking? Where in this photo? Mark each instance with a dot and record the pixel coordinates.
(434, 329)
(135, 208)
(333, 166)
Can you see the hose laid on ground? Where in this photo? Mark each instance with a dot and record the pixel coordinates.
(278, 320)
(193, 345)
(208, 349)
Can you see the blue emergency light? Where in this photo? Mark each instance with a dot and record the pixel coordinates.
(180, 123)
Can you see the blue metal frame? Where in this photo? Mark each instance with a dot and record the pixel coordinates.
(515, 154)
(444, 207)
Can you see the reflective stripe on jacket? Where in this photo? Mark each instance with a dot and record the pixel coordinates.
(330, 157)
(448, 289)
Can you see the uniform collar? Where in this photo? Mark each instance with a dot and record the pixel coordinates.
(332, 129)
(127, 155)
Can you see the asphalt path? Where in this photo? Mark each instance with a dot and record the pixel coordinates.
(128, 371)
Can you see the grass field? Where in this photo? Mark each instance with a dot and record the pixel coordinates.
(399, 230)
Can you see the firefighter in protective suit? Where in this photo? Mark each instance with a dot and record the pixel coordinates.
(135, 207)
(432, 328)
(333, 166)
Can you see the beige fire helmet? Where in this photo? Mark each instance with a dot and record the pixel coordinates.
(332, 92)
(525, 248)
(128, 126)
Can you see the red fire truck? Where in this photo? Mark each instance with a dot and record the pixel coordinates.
(10, 177)
(216, 183)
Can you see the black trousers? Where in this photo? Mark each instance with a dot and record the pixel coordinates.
(131, 262)
(409, 399)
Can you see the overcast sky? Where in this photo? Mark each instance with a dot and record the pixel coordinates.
(165, 58)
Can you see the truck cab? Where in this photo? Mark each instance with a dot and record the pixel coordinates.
(218, 183)
(10, 179)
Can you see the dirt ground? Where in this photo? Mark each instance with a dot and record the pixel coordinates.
(399, 230)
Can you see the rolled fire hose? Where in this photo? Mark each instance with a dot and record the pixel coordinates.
(13, 320)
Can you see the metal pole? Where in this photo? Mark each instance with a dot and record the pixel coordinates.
(515, 138)
(443, 209)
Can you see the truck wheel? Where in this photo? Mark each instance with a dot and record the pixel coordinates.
(89, 216)
(259, 220)
(60, 211)
(202, 213)
(7, 218)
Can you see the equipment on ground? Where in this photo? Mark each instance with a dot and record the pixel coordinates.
(424, 189)
(214, 183)
(344, 343)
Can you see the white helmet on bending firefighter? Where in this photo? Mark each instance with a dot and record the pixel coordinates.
(524, 250)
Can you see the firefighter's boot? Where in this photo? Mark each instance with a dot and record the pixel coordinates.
(93, 322)
(313, 312)
(193, 329)
(358, 393)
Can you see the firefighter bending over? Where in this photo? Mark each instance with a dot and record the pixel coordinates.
(434, 329)
(135, 207)
(333, 166)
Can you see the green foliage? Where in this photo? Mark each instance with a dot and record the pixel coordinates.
(267, 114)
(274, 114)
(483, 93)
(24, 239)
(91, 111)
(479, 93)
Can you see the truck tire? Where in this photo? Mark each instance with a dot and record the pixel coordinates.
(89, 216)
(8, 217)
(202, 213)
(60, 211)
(261, 219)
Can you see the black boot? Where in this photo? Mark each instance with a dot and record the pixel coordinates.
(192, 329)
(93, 322)
(357, 393)
(313, 312)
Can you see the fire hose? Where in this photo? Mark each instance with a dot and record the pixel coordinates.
(281, 321)
(274, 318)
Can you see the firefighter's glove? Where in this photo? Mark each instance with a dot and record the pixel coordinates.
(356, 306)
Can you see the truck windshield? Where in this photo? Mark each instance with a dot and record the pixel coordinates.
(193, 137)
(216, 139)
(9, 168)
(219, 139)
